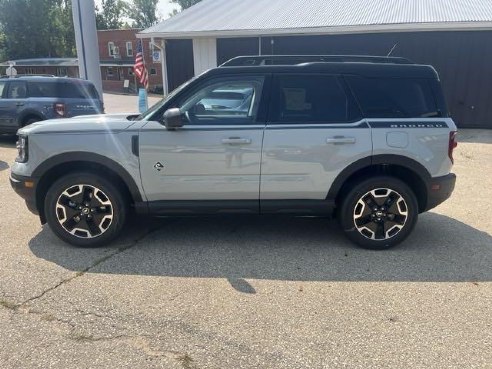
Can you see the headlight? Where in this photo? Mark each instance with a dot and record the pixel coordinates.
(22, 150)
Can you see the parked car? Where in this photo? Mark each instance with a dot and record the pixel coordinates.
(368, 141)
(28, 99)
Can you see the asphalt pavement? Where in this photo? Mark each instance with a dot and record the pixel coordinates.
(242, 292)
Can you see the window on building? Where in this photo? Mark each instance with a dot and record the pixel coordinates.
(111, 48)
(129, 48)
(110, 72)
(313, 99)
(153, 71)
(394, 97)
(130, 72)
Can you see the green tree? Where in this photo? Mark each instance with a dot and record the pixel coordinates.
(34, 29)
(111, 13)
(3, 55)
(143, 13)
(185, 4)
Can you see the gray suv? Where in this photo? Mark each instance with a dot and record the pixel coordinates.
(367, 140)
(28, 99)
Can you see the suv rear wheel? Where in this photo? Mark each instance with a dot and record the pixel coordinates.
(379, 213)
(85, 209)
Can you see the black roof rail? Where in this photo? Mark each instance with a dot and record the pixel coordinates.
(302, 59)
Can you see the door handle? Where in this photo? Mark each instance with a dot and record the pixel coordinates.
(340, 140)
(236, 141)
(19, 104)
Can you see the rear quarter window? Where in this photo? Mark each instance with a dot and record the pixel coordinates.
(76, 90)
(394, 97)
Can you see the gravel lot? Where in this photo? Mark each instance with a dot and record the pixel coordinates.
(253, 292)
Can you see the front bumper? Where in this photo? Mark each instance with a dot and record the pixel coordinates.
(25, 187)
(439, 189)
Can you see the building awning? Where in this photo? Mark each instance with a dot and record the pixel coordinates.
(236, 18)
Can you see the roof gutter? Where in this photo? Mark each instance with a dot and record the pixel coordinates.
(380, 28)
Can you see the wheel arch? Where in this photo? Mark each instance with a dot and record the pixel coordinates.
(406, 169)
(62, 164)
(29, 113)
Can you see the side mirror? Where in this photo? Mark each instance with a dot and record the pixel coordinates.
(172, 119)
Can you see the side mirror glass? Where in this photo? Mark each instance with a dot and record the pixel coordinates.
(172, 119)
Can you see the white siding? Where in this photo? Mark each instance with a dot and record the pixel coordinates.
(204, 54)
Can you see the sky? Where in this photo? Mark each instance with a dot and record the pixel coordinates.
(164, 7)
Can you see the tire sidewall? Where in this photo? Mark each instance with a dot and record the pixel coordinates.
(345, 214)
(114, 194)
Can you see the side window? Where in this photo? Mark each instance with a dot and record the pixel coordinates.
(75, 90)
(2, 88)
(17, 90)
(225, 101)
(40, 89)
(312, 98)
(394, 97)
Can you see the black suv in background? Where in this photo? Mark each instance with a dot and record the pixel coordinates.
(28, 99)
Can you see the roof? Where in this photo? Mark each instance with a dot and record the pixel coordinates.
(56, 62)
(214, 18)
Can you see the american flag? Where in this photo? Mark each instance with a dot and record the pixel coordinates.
(139, 67)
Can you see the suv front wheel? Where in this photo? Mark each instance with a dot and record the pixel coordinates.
(378, 213)
(85, 209)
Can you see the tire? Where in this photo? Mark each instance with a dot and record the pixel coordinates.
(85, 210)
(378, 213)
(30, 121)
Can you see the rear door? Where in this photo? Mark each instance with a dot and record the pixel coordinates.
(314, 131)
(12, 103)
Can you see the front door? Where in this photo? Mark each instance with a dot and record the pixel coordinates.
(314, 131)
(216, 156)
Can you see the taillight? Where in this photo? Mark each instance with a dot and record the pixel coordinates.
(59, 109)
(453, 143)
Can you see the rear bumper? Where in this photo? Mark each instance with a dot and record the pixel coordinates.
(25, 187)
(439, 189)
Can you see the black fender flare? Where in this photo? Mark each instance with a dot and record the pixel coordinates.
(89, 157)
(402, 161)
(30, 112)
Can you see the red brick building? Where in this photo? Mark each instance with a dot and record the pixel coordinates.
(117, 49)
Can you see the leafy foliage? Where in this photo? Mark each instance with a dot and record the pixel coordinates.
(111, 13)
(41, 28)
(143, 13)
(185, 4)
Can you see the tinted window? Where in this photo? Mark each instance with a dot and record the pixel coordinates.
(2, 88)
(225, 101)
(312, 98)
(17, 90)
(42, 89)
(77, 91)
(68, 90)
(394, 97)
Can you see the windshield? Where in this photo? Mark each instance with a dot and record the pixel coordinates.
(147, 115)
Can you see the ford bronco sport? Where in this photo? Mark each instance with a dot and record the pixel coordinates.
(28, 99)
(367, 139)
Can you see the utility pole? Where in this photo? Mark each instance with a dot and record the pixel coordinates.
(84, 21)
